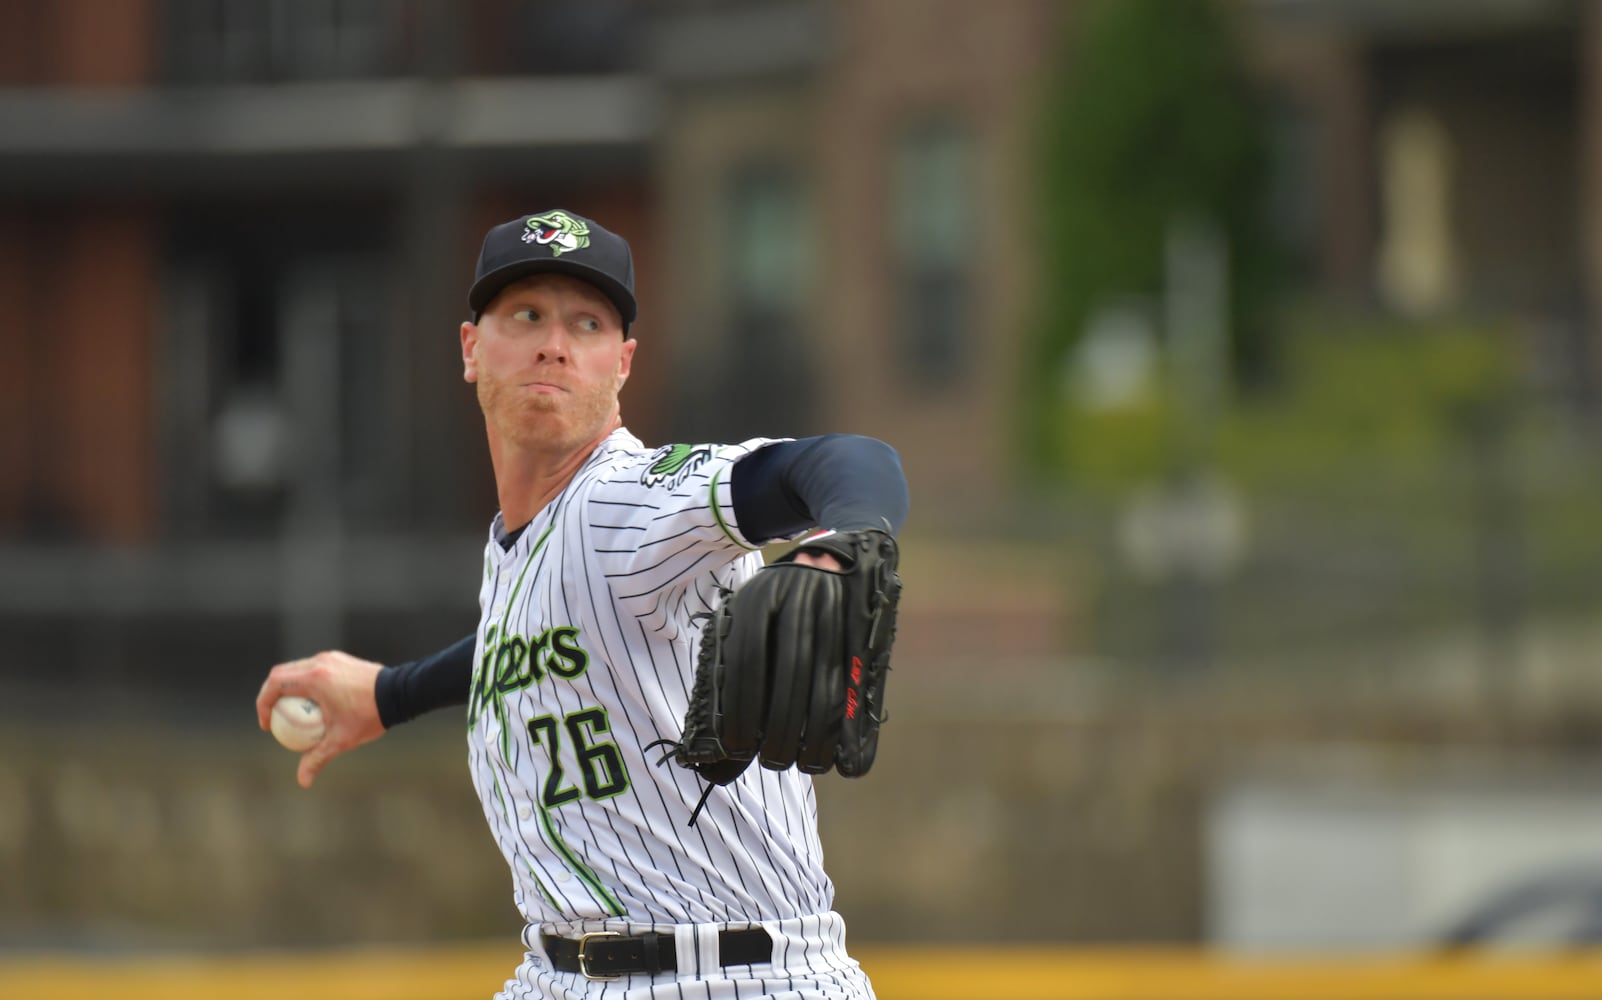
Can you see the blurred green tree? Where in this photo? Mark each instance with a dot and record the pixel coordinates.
(1150, 121)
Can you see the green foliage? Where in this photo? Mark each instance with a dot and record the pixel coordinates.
(1151, 120)
(1389, 401)
(1351, 404)
(1111, 452)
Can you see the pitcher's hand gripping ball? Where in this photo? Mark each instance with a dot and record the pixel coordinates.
(297, 723)
(792, 665)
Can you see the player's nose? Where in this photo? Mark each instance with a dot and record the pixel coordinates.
(552, 347)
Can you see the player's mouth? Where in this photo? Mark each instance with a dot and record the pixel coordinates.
(544, 387)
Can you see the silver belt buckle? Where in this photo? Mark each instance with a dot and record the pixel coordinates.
(584, 960)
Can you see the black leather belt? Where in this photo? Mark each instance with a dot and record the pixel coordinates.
(610, 955)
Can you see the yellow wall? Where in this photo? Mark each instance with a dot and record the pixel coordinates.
(899, 973)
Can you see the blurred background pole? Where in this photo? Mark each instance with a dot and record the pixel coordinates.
(311, 581)
(1195, 305)
(1502, 583)
(433, 214)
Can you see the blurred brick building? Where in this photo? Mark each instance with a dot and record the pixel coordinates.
(235, 239)
(235, 235)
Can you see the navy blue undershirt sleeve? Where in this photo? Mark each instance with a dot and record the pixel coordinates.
(407, 690)
(839, 481)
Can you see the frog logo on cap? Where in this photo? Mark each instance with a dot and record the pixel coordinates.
(558, 230)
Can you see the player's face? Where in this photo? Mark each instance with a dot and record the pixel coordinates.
(548, 357)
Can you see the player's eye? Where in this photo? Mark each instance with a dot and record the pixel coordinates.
(589, 324)
(526, 316)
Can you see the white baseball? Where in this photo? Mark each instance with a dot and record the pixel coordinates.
(297, 723)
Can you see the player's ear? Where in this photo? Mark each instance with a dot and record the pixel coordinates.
(469, 348)
(626, 362)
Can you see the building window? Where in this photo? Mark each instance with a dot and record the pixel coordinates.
(767, 281)
(1417, 262)
(553, 39)
(936, 239)
(768, 249)
(283, 382)
(256, 41)
(1295, 188)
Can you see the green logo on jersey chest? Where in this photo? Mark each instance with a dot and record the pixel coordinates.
(511, 663)
(673, 464)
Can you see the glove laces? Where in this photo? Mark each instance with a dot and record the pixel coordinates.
(700, 706)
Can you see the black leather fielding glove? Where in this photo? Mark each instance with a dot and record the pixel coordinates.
(792, 665)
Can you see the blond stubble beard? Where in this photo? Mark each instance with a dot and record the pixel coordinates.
(548, 422)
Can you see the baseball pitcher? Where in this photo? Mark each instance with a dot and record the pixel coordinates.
(646, 702)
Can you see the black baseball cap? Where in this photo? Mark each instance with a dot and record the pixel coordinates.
(555, 242)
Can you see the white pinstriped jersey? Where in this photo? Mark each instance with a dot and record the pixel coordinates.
(585, 654)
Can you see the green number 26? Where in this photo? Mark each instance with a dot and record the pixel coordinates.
(600, 764)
